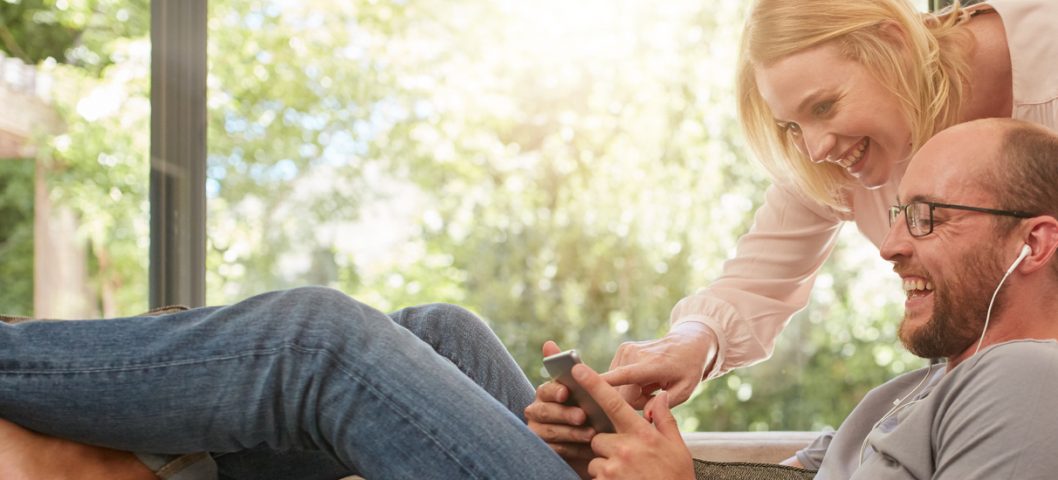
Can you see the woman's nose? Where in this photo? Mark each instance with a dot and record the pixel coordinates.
(819, 144)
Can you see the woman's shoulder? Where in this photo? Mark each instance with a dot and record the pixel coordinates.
(1031, 28)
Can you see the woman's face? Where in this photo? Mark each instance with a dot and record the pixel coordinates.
(835, 111)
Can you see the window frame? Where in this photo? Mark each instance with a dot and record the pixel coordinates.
(177, 269)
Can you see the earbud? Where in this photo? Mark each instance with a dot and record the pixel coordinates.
(1026, 250)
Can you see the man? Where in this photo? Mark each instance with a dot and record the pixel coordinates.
(977, 208)
(978, 200)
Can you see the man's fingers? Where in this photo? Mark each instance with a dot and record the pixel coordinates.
(597, 468)
(621, 414)
(554, 433)
(550, 348)
(573, 451)
(552, 392)
(550, 412)
(658, 412)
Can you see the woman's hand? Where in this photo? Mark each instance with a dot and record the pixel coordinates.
(675, 363)
(561, 426)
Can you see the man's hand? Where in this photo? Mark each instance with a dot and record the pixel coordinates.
(675, 363)
(647, 448)
(561, 426)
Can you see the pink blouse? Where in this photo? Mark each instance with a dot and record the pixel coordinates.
(776, 262)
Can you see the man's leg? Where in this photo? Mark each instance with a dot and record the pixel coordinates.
(303, 369)
(465, 340)
(453, 332)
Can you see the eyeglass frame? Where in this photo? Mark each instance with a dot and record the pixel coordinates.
(896, 210)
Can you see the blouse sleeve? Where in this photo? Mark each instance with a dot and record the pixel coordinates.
(767, 281)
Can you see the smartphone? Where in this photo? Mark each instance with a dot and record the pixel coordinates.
(560, 366)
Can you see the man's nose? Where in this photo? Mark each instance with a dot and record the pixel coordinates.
(897, 242)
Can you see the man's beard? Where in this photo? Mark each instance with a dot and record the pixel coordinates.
(959, 309)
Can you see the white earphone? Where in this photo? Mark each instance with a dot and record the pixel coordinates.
(1026, 250)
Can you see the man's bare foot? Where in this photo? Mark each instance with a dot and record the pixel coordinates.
(27, 455)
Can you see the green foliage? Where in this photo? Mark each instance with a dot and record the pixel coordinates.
(99, 168)
(568, 170)
(16, 236)
(78, 32)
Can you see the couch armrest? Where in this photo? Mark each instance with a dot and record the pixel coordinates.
(756, 447)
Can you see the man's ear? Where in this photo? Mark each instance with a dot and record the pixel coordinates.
(1043, 240)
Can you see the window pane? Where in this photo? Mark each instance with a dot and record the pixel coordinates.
(73, 138)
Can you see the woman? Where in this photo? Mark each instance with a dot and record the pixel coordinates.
(834, 97)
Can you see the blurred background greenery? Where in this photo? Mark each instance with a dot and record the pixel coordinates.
(567, 170)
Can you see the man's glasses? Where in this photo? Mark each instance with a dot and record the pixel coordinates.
(919, 215)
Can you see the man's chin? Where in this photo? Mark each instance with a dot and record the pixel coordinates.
(928, 342)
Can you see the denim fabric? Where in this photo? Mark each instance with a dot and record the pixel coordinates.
(283, 379)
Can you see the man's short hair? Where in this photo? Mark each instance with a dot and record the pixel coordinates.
(1026, 174)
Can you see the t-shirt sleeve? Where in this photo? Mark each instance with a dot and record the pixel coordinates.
(768, 280)
(811, 457)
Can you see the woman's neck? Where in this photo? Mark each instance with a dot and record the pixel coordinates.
(991, 90)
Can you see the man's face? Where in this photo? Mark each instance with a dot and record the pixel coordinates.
(949, 275)
(959, 305)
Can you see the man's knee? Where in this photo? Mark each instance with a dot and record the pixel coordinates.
(447, 327)
(313, 296)
(316, 315)
(444, 317)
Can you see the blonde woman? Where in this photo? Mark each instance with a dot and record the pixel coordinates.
(834, 97)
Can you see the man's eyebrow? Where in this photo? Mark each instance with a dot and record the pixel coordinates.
(917, 198)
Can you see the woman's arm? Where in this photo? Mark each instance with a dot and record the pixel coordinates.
(738, 316)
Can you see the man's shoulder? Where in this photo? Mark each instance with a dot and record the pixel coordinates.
(1006, 368)
(1025, 352)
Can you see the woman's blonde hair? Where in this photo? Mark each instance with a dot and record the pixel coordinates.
(924, 65)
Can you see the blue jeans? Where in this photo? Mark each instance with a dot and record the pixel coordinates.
(299, 384)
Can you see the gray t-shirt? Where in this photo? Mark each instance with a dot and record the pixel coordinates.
(992, 417)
